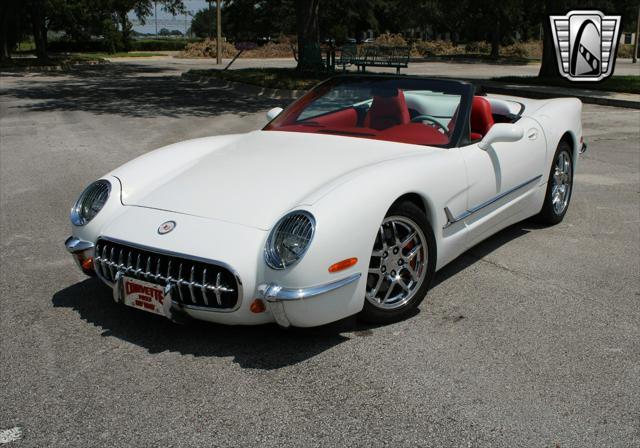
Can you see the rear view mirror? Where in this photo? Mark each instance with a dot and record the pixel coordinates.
(501, 132)
(273, 113)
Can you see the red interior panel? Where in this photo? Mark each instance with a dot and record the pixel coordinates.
(481, 117)
(342, 118)
(387, 111)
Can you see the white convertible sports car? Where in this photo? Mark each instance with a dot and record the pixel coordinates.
(347, 202)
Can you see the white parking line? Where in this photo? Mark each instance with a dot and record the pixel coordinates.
(10, 435)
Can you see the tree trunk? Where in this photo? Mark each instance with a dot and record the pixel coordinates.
(4, 31)
(39, 29)
(549, 66)
(307, 12)
(126, 30)
(495, 40)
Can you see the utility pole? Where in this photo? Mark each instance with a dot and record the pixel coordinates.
(219, 33)
(155, 14)
(635, 47)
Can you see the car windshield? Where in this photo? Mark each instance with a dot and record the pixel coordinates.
(404, 110)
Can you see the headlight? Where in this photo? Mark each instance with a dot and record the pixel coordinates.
(90, 202)
(289, 239)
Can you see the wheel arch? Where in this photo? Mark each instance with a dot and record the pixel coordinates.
(570, 138)
(423, 203)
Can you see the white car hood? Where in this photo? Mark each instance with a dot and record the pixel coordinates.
(250, 179)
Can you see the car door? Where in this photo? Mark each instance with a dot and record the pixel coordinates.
(501, 179)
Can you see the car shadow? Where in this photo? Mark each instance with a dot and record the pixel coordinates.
(256, 347)
(483, 249)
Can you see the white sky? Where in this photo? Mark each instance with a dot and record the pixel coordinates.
(166, 20)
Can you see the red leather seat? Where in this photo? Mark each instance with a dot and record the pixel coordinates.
(481, 118)
(387, 111)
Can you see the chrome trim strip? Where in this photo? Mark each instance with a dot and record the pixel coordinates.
(75, 245)
(451, 220)
(273, 292)
(104, 259)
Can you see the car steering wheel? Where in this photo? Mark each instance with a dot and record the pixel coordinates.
(431, 119)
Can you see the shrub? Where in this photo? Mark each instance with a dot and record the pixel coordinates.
(480, 47)
(160, 44)
(208, 49)
(531, 49)
(67, 46)
(437, 48)
(625, 51)
(270, 50)
(395, 40)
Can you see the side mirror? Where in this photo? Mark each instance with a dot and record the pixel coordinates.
(501, 132)
(273, 113)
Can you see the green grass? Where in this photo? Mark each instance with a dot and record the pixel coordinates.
(623, 84)
(274, 78)
(122, 54)
(51, 62)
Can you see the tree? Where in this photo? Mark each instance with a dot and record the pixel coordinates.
(307, 18)
(12, 18)
(203, 23)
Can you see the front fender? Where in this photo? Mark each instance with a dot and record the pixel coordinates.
(349, 216)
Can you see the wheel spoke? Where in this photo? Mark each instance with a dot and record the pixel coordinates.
(411, 271)
(382, 238)
(403, 285)
(388, 293)
(374, 292)
(413, 252)
(408, 239)
(395, 233)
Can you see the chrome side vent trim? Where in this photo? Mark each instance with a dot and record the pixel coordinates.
(451, 220)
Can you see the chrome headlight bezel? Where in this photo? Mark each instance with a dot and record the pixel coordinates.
(305, 226)
(83, 211)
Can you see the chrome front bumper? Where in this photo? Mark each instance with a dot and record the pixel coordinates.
(75, 245)
(277, 295)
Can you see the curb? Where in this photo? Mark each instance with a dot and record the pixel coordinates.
(278, 94)
(486, 86)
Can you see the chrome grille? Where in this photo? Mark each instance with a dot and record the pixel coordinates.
(196, 283)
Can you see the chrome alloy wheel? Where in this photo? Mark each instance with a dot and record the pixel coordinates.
(561, 188)
(398, 263)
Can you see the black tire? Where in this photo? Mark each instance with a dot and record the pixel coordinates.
(549, 215)
(374, 314)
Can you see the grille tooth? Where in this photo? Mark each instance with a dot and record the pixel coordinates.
(180, 283)
(204, 287)
(191, 283)
(160, 269)
(103, 260)
(112, 259)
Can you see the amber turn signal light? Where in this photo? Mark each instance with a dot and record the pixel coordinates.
(257, 306)
(87, 264)
(342, 265)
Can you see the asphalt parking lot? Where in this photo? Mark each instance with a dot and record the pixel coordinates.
(529, 339)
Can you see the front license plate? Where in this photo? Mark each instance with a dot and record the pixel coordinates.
(143, 295)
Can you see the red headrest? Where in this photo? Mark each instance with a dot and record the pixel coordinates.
(481, 118)
(387, 111)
